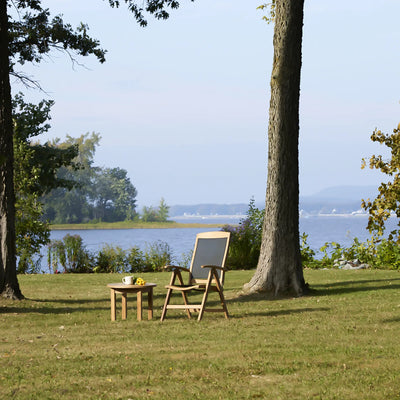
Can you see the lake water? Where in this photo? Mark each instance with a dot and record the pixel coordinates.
(320, 229)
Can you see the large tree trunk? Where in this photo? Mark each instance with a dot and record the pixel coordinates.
(9, 286)
(279, 268)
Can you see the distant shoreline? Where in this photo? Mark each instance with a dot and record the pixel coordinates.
(133, 225)
(354, 214)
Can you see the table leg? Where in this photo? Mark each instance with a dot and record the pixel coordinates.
(113, 308)
(150, 303)
(139, 305)
(124, 303)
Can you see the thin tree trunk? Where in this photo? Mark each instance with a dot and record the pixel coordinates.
(9, 286)
(279, 268)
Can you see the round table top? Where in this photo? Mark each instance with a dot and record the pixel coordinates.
(125, 286)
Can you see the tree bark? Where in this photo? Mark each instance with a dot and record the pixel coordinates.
(9, 286)
(279, 269)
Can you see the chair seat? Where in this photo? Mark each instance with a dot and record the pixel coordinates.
(183, 287)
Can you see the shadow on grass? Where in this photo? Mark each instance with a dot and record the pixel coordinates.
(391, 320)
(278, 313)
(68, 306)
(69, 301)
(352, 282)
(61, 306)
(353, 286)
(325, 289)
(48, 310)
(273, 313)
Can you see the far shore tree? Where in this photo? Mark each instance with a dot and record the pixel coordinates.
(97, 194)
(163, 210)
(279, 270)
(159, 214)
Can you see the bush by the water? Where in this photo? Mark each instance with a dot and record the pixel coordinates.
(245, 241)
(377, 253)
(70, 255)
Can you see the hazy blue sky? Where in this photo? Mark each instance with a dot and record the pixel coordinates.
(182, 105)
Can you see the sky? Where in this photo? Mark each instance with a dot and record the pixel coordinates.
(182, 104)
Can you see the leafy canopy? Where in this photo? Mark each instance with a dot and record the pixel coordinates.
(99, 193)
(35, 173)
(34, 34)
(158, 8)
(388, 200)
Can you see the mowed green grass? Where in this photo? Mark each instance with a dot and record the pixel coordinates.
(340, 342)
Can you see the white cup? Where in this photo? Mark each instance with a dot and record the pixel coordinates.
(127, 280)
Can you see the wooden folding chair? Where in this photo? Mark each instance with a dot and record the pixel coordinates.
(206, 273)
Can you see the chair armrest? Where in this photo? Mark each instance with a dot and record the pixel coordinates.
(214, 266)
(176, 267)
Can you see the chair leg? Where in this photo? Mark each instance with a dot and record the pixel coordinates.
(205, 295)
(221, 296)
(168, 296)
(225, 308)
(203, 303)
(184, 295)
(185, 300)
(164, 310)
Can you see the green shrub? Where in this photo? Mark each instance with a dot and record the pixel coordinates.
(111, 259)
(156, 256)
(384, 253)
(245, 241)
(387, 255)
(186, 259)
(330, 252)
(70, 254)
(363, 251)
(307, 254)
(56, 256)
(135, 259)
(28, 263)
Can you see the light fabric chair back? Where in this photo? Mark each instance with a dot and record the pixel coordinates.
(211, 248)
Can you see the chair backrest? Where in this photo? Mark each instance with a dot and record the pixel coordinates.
(211, 248)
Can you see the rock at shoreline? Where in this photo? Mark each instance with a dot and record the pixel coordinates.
(344, 264)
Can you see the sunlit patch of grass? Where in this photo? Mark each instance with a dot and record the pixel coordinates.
(341, 342)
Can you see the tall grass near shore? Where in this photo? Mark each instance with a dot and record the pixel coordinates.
(340, 342)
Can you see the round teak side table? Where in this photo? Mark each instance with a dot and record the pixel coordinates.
(124, 290)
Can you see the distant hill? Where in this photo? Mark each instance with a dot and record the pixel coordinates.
(332, 200)
(345, 193)
(337, 200)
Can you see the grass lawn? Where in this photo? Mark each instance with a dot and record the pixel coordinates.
(341, 342)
